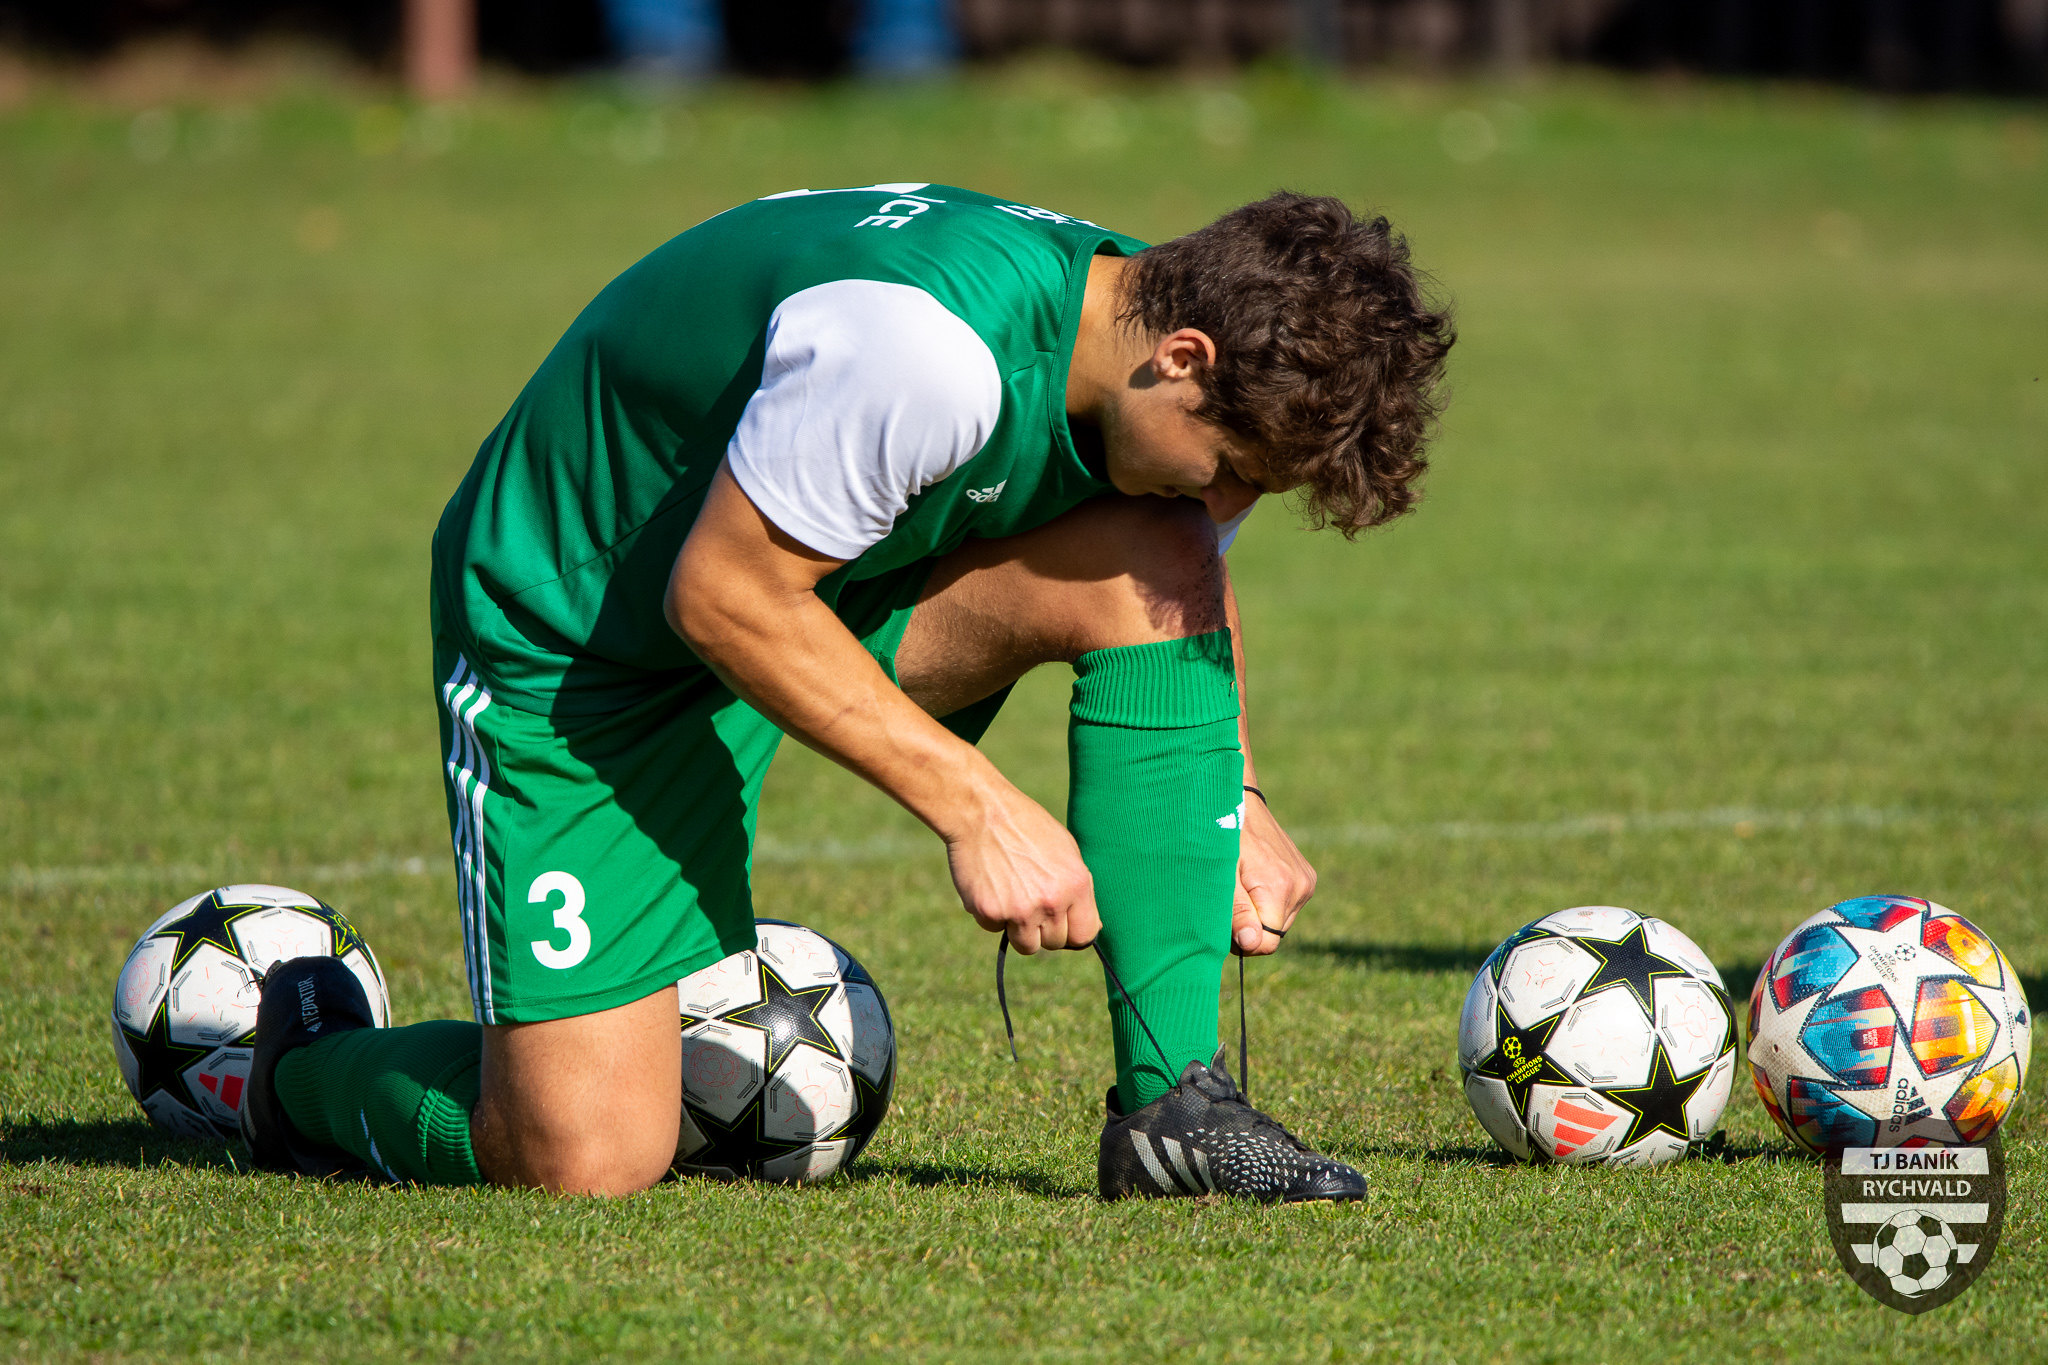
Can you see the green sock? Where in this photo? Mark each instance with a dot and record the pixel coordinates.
(396, 1098)
(1156, 779)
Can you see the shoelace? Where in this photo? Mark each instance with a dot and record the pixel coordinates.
(1243, 1033)
(1263, 1119)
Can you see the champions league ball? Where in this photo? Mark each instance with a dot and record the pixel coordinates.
(1888, 1021)
(1597, 1035)
(185, 1002)
(788, 1060)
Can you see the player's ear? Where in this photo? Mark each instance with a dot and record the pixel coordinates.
(1182, 354)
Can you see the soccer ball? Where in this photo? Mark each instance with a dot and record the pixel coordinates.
(1597, 1035)
(788, 1059)
(185, 1002)
(1914, 1249)
(1888, 1021)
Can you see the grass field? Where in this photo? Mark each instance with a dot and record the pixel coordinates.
(1727, 602)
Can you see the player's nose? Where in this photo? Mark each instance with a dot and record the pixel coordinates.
(1226, 498)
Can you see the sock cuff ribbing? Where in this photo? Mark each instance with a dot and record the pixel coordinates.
(398, 1099)
(444, 1125)
(1152, 687)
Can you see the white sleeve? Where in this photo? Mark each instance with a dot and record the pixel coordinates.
(1226, 531)
(871, 392)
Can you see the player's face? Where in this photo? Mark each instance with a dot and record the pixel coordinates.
(1154, 444)
(1176, 456)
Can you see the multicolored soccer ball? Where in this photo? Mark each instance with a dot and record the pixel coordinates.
(1888, 1021)
(788, 1060)
(1597, 1035)
(185, 1001)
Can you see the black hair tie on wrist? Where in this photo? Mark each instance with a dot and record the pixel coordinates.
(1256, 792)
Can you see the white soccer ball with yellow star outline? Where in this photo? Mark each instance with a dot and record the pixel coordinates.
(1597, 1035)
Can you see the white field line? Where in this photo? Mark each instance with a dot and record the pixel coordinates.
(1742, 820)
(199, 878)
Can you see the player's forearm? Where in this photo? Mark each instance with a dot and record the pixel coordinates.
(1244, 732)
(743, 596)
(789, 657)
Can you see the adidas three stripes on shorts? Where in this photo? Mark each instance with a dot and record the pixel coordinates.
(601, 857)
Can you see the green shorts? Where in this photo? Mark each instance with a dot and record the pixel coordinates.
(599, 857)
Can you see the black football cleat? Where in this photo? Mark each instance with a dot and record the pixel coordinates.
(1204, 1137)
(304, 1000)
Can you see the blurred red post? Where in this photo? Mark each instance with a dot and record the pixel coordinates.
(440, 47)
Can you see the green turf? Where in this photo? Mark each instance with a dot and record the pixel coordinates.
(1726, 603)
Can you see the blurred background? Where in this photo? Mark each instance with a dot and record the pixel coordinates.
(1994, 45)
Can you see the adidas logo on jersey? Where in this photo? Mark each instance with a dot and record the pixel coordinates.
(987, 494)
(1234, 820)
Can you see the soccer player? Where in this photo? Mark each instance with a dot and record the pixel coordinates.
(844, 465)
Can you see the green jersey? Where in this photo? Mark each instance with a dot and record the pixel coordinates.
(885, 367)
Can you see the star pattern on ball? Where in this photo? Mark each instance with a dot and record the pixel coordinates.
(160, 1061)
(1735, 1012)
(1497, 960)
(868, 1097)
(207, 922)
(1884, 959)
(1628, 961)
(739, 1146)
(1658, 1105)
(346, 936)
(1518, 1060)
(787, 1016)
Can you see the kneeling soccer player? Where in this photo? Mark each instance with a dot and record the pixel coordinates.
(845, 464)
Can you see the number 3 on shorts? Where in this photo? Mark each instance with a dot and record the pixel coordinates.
(569, 916)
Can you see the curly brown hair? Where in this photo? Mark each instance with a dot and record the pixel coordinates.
(1329, 353)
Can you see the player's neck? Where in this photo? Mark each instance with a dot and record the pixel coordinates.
(1105, 349)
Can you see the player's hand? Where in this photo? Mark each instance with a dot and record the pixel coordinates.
(1020, 873)
(1273, 882)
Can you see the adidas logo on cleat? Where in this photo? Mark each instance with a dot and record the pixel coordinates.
(1204, 1137)
(1190, 1166)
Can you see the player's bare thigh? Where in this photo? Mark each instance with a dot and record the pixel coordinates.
(586, 1105)
(1114, 571)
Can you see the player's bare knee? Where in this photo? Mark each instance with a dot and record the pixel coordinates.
(1163, 579)
(607, 1167)
(586, 1159)
(541, 1134)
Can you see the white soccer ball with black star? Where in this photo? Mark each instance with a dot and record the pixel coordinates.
(789, 1059)
(1915, 1250)
(1888, 1021)
(1597, 1035)
(185, 1002)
